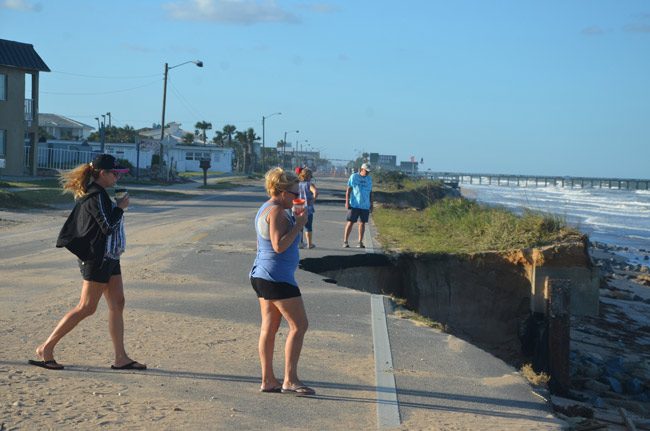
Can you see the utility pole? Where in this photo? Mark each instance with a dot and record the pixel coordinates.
(109, 119)
(162, 124)
(264, 138)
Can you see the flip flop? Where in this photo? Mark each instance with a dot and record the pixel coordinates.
(299, 390)
(48, 365)
(275, 390)
(133, 365)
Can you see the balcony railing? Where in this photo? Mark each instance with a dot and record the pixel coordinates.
(29, 113)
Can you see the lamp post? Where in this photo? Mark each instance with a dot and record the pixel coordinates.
(198, 63)
(109, 119)
(263, 138)
(284, 149)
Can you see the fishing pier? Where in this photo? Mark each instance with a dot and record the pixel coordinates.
(454, 178)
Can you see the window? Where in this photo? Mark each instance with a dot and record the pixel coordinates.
(3, 86)
(3, 139)
(196, 156)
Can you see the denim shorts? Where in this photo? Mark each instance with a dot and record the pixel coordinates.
(309, 224)
(99, 272)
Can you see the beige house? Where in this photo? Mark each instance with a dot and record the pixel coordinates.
(18, 114)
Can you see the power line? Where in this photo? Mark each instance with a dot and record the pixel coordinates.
(105, 77)
(101, 92)
(186, 103)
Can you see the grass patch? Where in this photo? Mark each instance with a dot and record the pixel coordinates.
(38, 198)
(45, 183)
(193, 175)
(143, 181)
(158, 194)
(420, 320)
(457, 225)
(538, 379)
(221, 185)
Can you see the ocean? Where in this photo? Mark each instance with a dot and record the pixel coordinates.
(619, 218)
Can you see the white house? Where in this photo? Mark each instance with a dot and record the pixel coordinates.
(64, 128)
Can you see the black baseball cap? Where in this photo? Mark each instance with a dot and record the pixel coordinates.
(108, 162)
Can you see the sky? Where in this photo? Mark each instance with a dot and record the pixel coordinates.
(554, 87)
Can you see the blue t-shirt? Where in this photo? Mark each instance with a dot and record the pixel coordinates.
(361, 188)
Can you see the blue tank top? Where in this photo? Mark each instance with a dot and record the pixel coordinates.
(269, 265)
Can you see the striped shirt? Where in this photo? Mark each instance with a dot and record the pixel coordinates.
(116, 240)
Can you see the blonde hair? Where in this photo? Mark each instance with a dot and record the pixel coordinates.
(278, 180)
(305, 174)
(77, 180)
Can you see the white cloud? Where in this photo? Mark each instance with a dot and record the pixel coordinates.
(244, 12)
(22, 5)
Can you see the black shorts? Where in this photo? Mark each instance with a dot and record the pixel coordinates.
(100, 272)
(355, 213)
(274, 290)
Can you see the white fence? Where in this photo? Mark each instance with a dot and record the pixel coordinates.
(57, 158)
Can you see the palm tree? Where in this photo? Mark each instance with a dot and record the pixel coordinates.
(228, 131)
(251, 137)
(218, 138)
(246, 139)
(203, 126)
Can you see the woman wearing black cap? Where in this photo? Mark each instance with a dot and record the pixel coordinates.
(94, 232)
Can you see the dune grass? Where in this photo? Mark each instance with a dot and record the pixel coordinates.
(457, 225)
(390, 181)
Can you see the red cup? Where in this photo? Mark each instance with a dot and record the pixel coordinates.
(298, 206)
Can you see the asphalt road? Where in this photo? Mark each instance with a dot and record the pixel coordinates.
(208, 239)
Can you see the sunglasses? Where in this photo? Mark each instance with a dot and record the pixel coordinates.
(293, 193)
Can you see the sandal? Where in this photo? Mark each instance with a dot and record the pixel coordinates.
(299, 390)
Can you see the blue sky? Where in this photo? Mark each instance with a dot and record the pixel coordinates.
(506, 86)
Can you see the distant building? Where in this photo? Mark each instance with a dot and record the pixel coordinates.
(408, 167)
(387, 162)
(18, 115)
(61, 127)
(383, 161)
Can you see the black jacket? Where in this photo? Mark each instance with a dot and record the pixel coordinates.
(92, 219)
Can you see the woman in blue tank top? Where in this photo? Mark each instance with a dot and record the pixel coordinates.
(272, 278)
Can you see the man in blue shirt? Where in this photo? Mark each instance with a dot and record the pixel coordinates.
(358, 202)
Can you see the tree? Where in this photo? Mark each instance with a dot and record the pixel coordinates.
(116, 134)
(188, 138)
(203, 126)
(43, 134)
(246, 140)
(218, 139)
(228, 132)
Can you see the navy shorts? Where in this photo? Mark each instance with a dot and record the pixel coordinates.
(274, 290)
(99, 272)
(355, 214)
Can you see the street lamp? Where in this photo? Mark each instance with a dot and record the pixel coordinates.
(284, 148)
(263, 139)
(198, 63)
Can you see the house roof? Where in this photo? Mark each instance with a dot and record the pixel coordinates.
(21, 56)
(53, 120)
